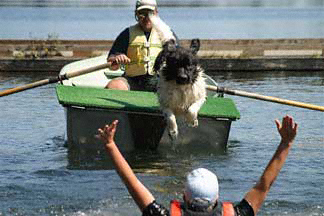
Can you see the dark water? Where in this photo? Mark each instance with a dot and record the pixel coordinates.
(38, 178)
(306, 21)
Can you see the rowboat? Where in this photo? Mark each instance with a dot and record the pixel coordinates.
(88, 106)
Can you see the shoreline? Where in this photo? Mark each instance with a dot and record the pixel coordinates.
(215, 55)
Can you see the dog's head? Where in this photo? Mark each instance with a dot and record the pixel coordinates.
(177, 63)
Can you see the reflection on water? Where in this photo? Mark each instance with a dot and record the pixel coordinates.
(161, 161)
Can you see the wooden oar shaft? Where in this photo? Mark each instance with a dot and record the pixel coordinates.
(265, 98)
(53, 80)
(85, 71)
(24, 87)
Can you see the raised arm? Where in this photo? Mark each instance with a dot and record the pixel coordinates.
(141, 195)
(287, 131)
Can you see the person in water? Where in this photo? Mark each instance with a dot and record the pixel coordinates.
(137, 48)
(201, 196)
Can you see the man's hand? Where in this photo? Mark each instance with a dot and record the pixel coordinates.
(287, 130)
(107, 133)
(117, 60)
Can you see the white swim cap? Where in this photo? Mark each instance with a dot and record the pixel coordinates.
(201, 187)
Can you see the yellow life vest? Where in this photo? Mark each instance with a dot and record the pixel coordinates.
(142, 52)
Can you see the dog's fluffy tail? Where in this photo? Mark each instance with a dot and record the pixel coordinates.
(162, 28)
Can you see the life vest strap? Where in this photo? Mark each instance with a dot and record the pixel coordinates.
(228, 209)
(175, 208)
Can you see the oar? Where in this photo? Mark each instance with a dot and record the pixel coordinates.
(265, 98)
(53, 80)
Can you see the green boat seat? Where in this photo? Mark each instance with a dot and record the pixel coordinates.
(137, 101)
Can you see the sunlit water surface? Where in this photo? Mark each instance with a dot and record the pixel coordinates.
(39, 176)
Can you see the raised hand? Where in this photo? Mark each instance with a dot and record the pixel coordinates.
(287, 129)
(107, 133)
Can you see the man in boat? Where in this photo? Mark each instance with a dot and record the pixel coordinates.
(201, 195)
(136, 48)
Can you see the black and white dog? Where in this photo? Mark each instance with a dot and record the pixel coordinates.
(181, 87)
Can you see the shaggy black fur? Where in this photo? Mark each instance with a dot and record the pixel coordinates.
(177, 63)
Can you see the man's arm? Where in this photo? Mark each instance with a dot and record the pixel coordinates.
(118, 52)
(120, 45)
(258, 193)
(141, 195)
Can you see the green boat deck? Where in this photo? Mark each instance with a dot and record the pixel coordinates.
(137, 101)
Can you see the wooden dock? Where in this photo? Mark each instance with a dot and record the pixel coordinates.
(215, 55)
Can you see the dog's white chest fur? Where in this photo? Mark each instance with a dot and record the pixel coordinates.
(179, 98)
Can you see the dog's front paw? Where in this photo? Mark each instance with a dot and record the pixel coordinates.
(173, 134)
(194, 123)
(171, 124)
(191, 117)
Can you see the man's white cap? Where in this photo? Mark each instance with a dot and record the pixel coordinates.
(146, 4)
(201, 187)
